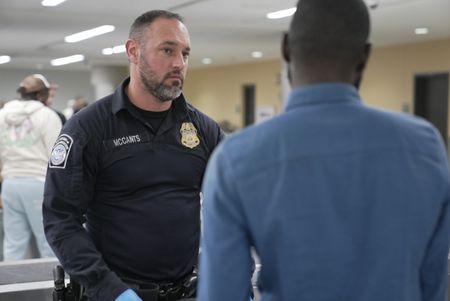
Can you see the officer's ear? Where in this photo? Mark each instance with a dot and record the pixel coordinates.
(132, 48)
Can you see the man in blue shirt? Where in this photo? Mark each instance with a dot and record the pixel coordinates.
(340, 201)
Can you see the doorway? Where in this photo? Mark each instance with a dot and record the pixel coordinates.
(249, 104)
(431, 100)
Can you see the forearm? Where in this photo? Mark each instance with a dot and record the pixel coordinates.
(79, 256)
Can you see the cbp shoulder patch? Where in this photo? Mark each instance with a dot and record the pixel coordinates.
(61, 151)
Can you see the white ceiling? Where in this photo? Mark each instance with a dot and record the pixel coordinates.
(227, 31)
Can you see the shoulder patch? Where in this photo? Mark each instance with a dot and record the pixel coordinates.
(61, 151)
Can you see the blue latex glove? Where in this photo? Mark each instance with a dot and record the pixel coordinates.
(128, 295)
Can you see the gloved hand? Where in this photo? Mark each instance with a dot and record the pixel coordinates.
(128, 295)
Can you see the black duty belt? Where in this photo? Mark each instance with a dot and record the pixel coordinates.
(151, 291)
(172, 291)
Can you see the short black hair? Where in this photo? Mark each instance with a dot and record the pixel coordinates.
(329, 31)
(147, 18)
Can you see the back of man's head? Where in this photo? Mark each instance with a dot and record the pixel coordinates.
(34, 87)
(328, 33)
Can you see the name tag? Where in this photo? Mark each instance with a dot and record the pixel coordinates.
(126, 140)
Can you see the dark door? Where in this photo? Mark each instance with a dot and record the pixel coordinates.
(431, 100)
(249, 104)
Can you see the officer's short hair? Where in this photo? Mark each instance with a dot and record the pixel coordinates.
(147, 18)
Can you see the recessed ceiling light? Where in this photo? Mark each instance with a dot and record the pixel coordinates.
(257, 54)
(119, 49)
(5, 59)
(206, 61)
(67, 60)
(114, 50)
(107, 51)
(421, 30)
(51, 2)
(87, 34)
(281, 13)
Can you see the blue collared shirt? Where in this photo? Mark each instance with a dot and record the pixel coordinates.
(341, 202)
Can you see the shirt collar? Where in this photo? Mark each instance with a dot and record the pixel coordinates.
(122, 102)
(332, 93)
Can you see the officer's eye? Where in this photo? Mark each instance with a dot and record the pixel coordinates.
(167, 50)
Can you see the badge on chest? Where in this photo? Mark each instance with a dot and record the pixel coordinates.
(189, 136)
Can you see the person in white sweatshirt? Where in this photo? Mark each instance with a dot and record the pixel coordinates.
(28, 130)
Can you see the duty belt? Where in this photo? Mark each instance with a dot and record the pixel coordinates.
(151, 291)
(172, 291)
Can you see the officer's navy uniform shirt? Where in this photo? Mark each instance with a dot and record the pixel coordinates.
(342, 202)
(139, 191)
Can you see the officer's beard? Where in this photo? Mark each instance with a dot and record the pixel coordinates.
(158, 89)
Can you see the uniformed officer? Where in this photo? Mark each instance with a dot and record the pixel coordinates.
(130, 166)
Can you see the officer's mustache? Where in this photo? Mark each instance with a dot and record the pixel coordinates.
(177, 74)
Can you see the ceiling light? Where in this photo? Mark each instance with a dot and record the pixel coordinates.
(421, 30)
(257, 54)
(281, 13)
(4, 59)
(206, 61)
(107, 51)
(51, 2)
(114, 50)
(87, 34)
(119, 49)
(67, 60)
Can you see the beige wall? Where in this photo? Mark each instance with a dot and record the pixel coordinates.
(388, 80)
(218, 91)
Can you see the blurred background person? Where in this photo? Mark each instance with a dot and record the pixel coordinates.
(49, 102)
(227, 126)
(28, 130)
(79, 103)
(68, 110)
(74, 105)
